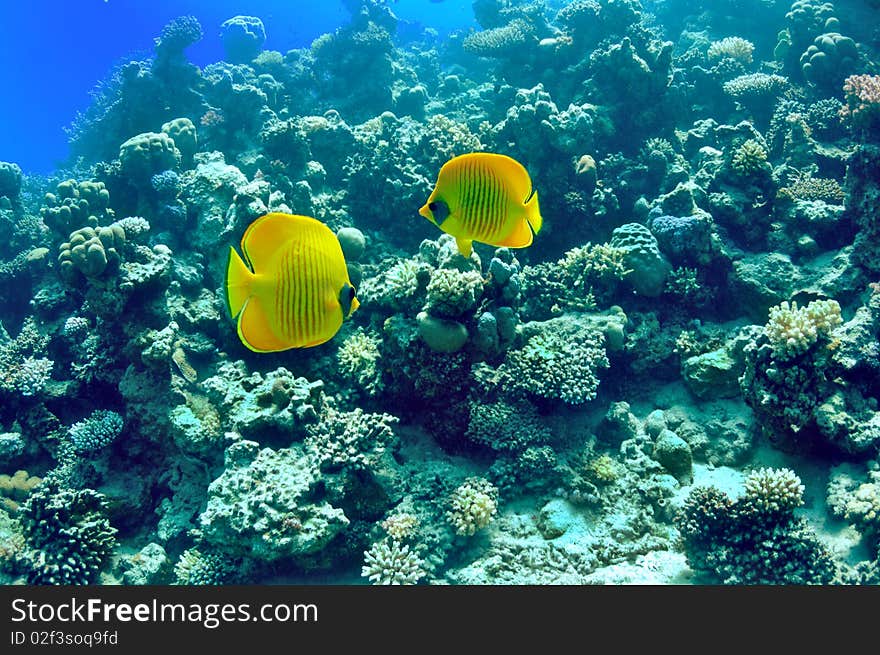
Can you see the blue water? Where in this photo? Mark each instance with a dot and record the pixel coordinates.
(53, 52)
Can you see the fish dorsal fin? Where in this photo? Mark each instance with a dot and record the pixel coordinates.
(265, 235)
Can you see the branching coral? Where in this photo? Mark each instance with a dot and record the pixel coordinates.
(862, 109)
(556, 362)
(792, 329)
(23, 369)
(472, 506)
(755, 539)
(360, 360)
(732, 47)
(97, 431)
(68, 536)
(197, 566)
(390, 562)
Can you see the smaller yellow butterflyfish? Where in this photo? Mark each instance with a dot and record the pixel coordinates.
(292, 289)
(484, 197)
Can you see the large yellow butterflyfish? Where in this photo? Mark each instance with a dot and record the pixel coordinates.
(484, 197)
(292, 288)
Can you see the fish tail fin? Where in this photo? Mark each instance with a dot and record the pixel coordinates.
(533, 213)
(238, 283)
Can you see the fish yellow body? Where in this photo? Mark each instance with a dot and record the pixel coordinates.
(484, 197)
(292, 288)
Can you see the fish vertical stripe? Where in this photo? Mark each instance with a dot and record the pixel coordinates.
(491, 194)
(308, 315)
(280, 292)
(290, 275)
(465, 197)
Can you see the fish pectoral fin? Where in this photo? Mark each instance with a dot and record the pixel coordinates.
(465, 246)
(520, 237)
(255, 330)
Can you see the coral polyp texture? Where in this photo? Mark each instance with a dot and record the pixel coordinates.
(667, 370)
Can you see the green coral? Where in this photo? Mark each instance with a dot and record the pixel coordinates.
(749, 159)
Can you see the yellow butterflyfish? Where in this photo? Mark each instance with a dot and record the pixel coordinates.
(484, 197)
(292, 288)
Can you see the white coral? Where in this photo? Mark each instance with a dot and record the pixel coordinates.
(792, 329)
(774, 490)
(473, 506)
(389, 562)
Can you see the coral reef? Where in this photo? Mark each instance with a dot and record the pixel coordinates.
(627, 399)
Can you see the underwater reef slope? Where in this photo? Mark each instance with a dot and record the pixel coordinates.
(676, 382)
